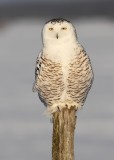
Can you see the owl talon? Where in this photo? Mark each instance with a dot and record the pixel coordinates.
(58, 108)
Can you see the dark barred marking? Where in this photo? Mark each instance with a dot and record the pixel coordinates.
(57, 20)
(47, 81)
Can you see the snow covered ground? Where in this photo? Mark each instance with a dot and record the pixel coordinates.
(25, 133)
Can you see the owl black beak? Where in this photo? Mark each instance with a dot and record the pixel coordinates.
(57, 36)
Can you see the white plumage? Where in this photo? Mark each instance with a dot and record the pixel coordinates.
(63, 73)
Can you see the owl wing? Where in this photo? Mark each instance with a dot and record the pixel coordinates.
(80, 77)
(37, 70)
(85, 74)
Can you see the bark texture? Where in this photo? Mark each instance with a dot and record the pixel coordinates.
(64, 122)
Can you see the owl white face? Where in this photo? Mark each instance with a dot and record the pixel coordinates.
(58, 30)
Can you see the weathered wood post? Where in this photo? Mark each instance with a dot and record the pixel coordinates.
(64, 122)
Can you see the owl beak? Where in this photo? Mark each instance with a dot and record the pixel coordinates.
(57, 36)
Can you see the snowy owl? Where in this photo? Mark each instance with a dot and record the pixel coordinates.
(63, 73)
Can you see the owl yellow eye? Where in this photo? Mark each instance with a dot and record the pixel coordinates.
(51, 29)
(64, 28)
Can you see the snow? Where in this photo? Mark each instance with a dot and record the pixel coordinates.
(25, 133)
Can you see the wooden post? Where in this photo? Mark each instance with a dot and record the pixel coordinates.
(64, 122)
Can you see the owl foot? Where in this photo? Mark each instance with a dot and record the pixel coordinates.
(60, 106)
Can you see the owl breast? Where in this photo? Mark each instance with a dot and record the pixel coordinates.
(58, 83)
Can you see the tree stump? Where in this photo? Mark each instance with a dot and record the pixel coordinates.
(64, 122)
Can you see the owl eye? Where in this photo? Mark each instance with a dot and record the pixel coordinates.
(51, 29)
(64, 28)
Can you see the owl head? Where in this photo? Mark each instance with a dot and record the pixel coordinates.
(58, 30)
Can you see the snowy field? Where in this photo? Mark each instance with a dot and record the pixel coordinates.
(25, 133)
